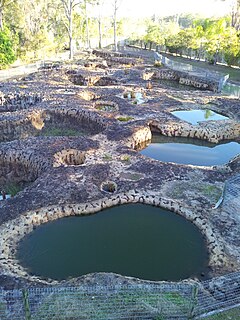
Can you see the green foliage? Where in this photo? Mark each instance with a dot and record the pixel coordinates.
(126, 158)
(12, 189)
(7, 55)
(211, 39)
(107, 157)
(154, 34)
(124, 119)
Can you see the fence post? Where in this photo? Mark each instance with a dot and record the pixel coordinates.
(194, 301)
(26, 304)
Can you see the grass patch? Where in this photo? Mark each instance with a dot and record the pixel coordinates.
(76, 305)
(125, 119)
(179, 190)
(106, 108)
(55, 132)
(12, 189)
(211, 190)
(234, 73)
(4, 313)
(125, 157)
(107, 157)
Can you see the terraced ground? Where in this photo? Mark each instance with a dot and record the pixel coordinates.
(70, 140)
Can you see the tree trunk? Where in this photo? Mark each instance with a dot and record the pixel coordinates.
(70, 47)
(100, 33)
(70, 34)
(1, 19)
(235, 16)
(115, 30)
(87, 27)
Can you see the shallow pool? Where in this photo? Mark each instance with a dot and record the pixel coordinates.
(195, 116)
(190, 151)
(133, 240)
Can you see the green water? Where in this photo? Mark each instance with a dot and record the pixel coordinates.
(133, 240)
(189, 151)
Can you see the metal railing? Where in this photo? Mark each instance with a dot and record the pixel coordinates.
(136, 301)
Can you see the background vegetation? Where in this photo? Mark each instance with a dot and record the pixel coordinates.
(32, 30)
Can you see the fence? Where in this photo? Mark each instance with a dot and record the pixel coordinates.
(24, 70)
(135, 301)
(192, 70)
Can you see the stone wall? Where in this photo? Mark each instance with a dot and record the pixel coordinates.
(18, 101)
(186, 79)
(211, 131)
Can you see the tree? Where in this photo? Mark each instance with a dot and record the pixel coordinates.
(3, 5)
(235, 15)
(231, 47)
(116, 5)
(6, 49)
(153, 35)
(69, 6)
(100, 4)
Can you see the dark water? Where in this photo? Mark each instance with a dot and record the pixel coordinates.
(195, 116)
(133, 240)
(190, 151)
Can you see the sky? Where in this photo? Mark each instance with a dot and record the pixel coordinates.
(206, 8)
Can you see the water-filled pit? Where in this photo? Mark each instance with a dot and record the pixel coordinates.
(196, 116)
(133, 240)
(134, 97)
(189, 151)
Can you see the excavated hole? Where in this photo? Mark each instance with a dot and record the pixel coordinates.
(106, 106)
(14, 177)
(42, 123)
(109, 186)
(70, 157)
(95, 79)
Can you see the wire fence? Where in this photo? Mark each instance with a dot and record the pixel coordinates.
(136, 301)
(24, 70)
(192, 70)
(231, 195)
